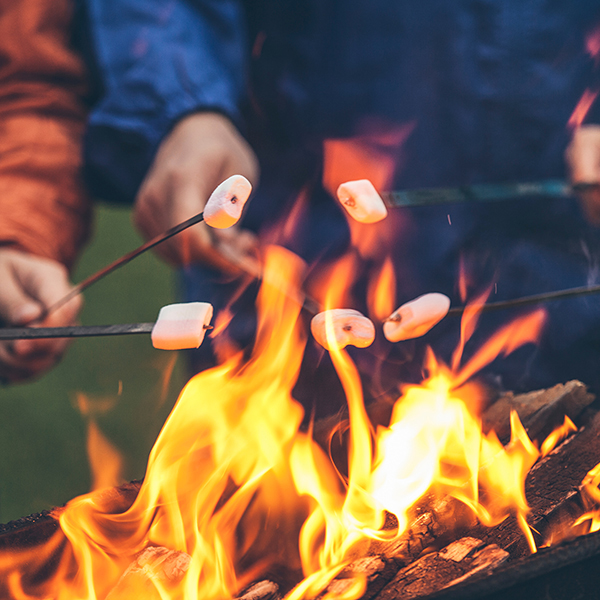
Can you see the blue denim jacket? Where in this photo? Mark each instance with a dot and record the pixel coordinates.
(486, 87)
(490, 84)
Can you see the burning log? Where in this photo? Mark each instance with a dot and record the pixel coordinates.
(438, 570)
(396, 568)
(154, 569)
(263, 590)
(540, 411)
(441, 521)
(551, 489)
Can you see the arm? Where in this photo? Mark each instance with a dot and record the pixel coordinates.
(583, 159)
(45, 211)
(163, 133)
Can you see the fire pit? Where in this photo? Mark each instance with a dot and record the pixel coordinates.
(239, 502)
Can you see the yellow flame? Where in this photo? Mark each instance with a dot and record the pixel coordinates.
(382, 292)
(590, 488)
(234, 483)
(557, 436)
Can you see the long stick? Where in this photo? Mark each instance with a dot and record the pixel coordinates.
(120, 262)
(486, 192)
(534, 299)
(29, 333)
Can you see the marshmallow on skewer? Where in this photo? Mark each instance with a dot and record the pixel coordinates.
(224, 207)
(181, 326)
(350, 327)
(361, 201)
(416, 318)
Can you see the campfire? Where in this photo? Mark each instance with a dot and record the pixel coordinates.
(238, 501)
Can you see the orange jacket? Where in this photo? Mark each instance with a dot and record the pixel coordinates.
(43, 205)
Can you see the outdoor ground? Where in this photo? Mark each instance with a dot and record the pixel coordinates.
(43, 458)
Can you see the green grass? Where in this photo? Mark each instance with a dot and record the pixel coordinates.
(43, 458)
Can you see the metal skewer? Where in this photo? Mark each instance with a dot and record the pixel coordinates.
(30, 333)
(533, 299)
(486, 192)
(119, 263)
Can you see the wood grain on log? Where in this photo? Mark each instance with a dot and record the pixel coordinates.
(551, 484)
(540, 411)
(154, 568)
(438, 570)
(263, 590)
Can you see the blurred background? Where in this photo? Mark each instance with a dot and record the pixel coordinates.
(121, 383)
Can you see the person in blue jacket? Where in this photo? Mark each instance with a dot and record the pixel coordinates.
(194, 91)
(449, 94)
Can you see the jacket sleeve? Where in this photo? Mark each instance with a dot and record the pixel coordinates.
(157, 61)
(44, 209)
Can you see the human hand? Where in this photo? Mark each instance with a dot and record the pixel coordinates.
(29, 286)
(583, 159)
(201, 151)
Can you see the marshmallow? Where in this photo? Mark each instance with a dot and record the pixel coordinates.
(181, 326)
(224, 207)
(361, 201)
(350, 327)
(416, 318)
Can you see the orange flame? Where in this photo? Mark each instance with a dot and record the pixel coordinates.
(381, 295)
(105, 460)
(583, 107)
(232, 482)
(557, 436)
(591, 490)
(523, 330)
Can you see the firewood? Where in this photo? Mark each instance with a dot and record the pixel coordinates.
(155, 565)
(550, 488)
(432, 526)
(438, 570)
(263, 590)
(540, 411)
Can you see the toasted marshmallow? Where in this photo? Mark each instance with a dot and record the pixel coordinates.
(350, 327)
(224, 207)
(361, 200)
(416, 318)
(181, 326)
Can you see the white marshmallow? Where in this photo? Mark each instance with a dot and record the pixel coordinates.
(350, 327)
(361, 201)
(224, 207)
(181, 326)
(416, 318)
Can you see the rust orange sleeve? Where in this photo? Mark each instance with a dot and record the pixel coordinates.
(44, 208)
